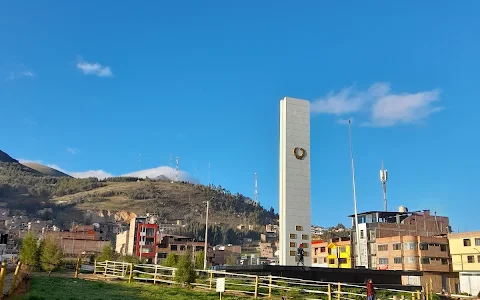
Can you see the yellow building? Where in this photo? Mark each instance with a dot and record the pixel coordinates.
(339, 255)
(465, 252)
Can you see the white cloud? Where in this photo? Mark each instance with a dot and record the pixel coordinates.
(383, 107)
(94, 69)
(72, 151)
(20, 74)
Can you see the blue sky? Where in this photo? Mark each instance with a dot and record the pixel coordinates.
(90, 85)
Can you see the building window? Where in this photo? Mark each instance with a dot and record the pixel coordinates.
(372, 235)
(410, 260)
(173, 247)
(444, 261)
(410, 246)
(467, 242)
(362, 235)
(322, 249)
(316, 251)
(397, 246)
(324, 260)
(331, 261)
(383, 247)
(425, 260)
(315, 260)
(293, 236)
(305, 253)
(383, 261)
(342, 261)
(299, 228)
(292, 253)
(304, 245)
(342, 249)
(470, 259)
(443, 247)
(478, 259)
(423, 246)
(397, 260)
(293, 244)
(305, 237)
(477, 241)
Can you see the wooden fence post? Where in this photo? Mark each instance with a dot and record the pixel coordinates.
(77, 267)
(105, 268)
(395, 297)
(419, 295)
(414, 296)
(131, 273)
(155, 276)
(15, 277)
(211, 279)
(270, 279)
(3, 272)
(339, 290)
(329, 291)
(95, 267)
(256, 287)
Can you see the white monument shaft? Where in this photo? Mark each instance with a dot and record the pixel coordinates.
(295, 211)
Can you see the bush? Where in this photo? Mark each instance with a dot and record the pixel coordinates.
(29, 253)
(107, 253)
(185, 273)
(171, 260)
(199, 259)
(51, 254)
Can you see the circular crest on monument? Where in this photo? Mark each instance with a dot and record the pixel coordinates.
(299, 153)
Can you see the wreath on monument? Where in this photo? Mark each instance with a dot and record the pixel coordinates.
(299, 153)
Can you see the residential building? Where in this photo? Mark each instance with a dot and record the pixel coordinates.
(334, 253)
(223, 255)
(80, 239)
(269, 237)
(268, 250)
(319, 254)
(465, 252)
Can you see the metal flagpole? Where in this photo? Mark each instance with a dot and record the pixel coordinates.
(357, 230)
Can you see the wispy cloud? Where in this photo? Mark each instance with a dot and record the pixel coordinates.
(96, 69)
(381, 106)
(72, 151)
(165, 171)
(343, 121)
(20, 74)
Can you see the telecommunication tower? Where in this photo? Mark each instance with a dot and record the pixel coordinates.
(176, 169)
(383, 180)
(256, 188)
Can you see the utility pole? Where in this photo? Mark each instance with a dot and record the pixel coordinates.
(383, 180)
(357, 230)
(206, 238)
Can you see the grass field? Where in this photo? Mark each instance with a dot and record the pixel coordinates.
(54, 288)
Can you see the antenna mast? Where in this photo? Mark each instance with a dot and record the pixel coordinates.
(383, 180)
(170, 171)
(357, 230)
(176, 170)
(256, 188)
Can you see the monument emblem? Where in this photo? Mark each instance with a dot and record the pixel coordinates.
(299, 153)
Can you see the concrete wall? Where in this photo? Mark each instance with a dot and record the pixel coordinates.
(294, 178)
(121, 244)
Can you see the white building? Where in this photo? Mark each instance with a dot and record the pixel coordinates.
(295, 211)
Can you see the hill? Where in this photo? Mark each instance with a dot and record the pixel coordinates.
(4, 157)
(45, 170)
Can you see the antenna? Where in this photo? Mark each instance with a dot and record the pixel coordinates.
(176, 170)
(354, 196)
(383, 180)
(170, 172)
(256, 188)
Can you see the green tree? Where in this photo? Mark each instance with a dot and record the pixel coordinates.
(29, 253)
(199, 259)
(185, 273)
(107, 253)
(231, 259)
(51, 254)
(171, 260)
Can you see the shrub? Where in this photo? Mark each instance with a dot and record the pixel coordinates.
(29, 253)
(171, 260)
(185, 273)
(51, 254)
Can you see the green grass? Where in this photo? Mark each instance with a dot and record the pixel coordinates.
(54, 288)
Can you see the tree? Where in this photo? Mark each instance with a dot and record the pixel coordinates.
(171, 260)
(199, 259)
(185, 273)
(231, 259)
(51, 255)
(29, 253)
(107, 253)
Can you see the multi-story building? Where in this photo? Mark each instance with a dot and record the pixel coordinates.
(465, 252)
(79, 240)
(226, 254)
(268, 250)
(335, 253)
(408, 241)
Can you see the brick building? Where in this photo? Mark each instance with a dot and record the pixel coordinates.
(81, 239)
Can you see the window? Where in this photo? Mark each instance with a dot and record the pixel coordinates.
(316, 251)
(173, 247)
(382, 247)
(362, 234)
(423, 246)
(443, 247)
(331, 261)
(425, 260)
(315, 260)
(342, 261)
(293, 244)
(478, 259)
(397, 260)
(342, 249)
(299, 228)
(322, 249)
(293, 236)
(397, 246)
(470, 259)
(324, 260)
(383, 261)
(467, 242)
(305, 237)
(304, 245)
(292, 253)
(372, 235)
(444, 261)
(410, 260)
(305, 253)
(477, 241)
(409, 246)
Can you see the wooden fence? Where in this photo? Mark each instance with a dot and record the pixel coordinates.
(254, 285)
